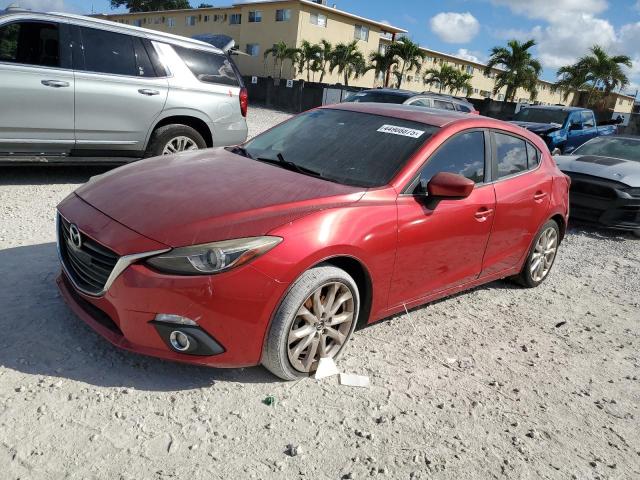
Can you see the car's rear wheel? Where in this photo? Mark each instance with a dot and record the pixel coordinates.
(175, 138)
(316, 318)
(541, 257)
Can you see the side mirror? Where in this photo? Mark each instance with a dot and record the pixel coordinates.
(575, 126)
(450, 185)
(556, 151)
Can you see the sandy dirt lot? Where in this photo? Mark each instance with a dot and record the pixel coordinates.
(499, 382)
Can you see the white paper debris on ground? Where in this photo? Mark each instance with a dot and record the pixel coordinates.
(353, 380)
(326, 368)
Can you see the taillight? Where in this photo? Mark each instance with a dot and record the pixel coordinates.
(244, 101)
(475, 112)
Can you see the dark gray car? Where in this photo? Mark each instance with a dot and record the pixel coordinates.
(605, 182)
(407, 97)
(83, 90)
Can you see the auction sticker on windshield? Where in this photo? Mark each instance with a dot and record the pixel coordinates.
(405, 132)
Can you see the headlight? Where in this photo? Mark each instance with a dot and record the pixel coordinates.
(213, 257)
(633, 192)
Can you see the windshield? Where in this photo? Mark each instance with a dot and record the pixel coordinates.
(376, 97)
(539, 115)
(616, 147)
(347, 147)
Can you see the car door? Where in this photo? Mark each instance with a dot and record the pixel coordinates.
(37, 88)
(578, 132)
(420, 102)
(523, 190)
(119, 93)
(443, 105)
(441, 243)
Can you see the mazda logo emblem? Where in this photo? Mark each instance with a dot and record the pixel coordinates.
(74, 236)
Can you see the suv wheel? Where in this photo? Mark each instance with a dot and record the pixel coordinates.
(172, 139)
(315, 319)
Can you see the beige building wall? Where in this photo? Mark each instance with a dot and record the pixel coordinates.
(339, 28)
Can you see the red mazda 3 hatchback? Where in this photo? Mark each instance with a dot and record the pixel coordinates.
(272, 252)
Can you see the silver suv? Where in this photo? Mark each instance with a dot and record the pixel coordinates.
(79, 89)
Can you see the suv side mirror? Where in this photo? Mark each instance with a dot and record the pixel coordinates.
(450, 185)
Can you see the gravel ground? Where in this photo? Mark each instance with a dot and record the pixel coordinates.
(499, 382)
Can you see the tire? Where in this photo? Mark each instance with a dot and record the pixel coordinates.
(161, 137)
(278, 351)
(527, 278)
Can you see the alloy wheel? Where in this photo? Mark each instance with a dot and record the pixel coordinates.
(179, 144)
(321, 327)
(544, 254)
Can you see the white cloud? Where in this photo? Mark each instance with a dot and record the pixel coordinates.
(385, 22)
(544, 9)
(452, 27)
(41, 5)
(470, 55)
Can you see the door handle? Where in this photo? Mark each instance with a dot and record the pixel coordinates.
(54, 83)
(148, 92)
(483, 213)
(539, 196)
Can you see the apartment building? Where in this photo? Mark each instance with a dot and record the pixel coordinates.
(257, 26)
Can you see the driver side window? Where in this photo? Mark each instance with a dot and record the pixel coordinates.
(464, 154)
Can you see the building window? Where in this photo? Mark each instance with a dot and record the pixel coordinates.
(319, 19)
(283, 15)
(137, 22)
(469, 69)
(255, 16)
(190, 20)
(361, 33)
(500, 96)
(235, 19)
(207, 18)
(253, 49)
(475, 90)
(157, 20)
(171, 22)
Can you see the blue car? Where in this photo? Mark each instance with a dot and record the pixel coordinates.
(563, 128)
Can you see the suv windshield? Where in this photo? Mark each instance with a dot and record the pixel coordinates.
(540, 115)
(624, 148)
(347, 147)
(376, 97)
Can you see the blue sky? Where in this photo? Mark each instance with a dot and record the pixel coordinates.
(564, 29)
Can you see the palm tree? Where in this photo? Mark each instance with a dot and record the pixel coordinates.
(281, 52)
(518, 69)
(349, 61)
(381, 63)
(308, 58)
(443, 77)
(326, 50)
(461, 81)
(596, 71)
(411, 55)
(572, 78)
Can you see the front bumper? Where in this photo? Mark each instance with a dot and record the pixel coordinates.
(601, 202)
(233, 309)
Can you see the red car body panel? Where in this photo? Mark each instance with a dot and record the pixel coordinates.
(411, 254)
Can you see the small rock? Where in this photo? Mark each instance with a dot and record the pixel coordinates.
(525, 348)
(293, 450)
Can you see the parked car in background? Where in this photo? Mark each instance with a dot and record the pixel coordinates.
(273, 251)
(605, 186)
(79, 89)
(562, 128)
(407, 97)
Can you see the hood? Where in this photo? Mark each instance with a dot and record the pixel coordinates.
(616, 169)
(539, 128)
(209, 195)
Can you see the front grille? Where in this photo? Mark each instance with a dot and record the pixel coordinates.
(98, 315)
(90, 265)
(594, 187)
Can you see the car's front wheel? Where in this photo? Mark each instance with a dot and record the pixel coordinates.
(315, 319)
(541, 257)
(172, 139)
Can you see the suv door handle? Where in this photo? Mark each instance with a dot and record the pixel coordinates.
(483, 213)
(148, 92)
(539, 196)
(54, 83)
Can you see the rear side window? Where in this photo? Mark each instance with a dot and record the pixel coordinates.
(511, 154)
(30, 43)
(464, 154)
(462, 108)
(421, 102)
(208, 67)
(377, 97)
(533, 156)
(443, 105)
(108, 52)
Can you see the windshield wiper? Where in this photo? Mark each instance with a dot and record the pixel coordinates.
(281, 162)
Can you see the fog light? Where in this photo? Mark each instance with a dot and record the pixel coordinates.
(178, 319)
(179, 341)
